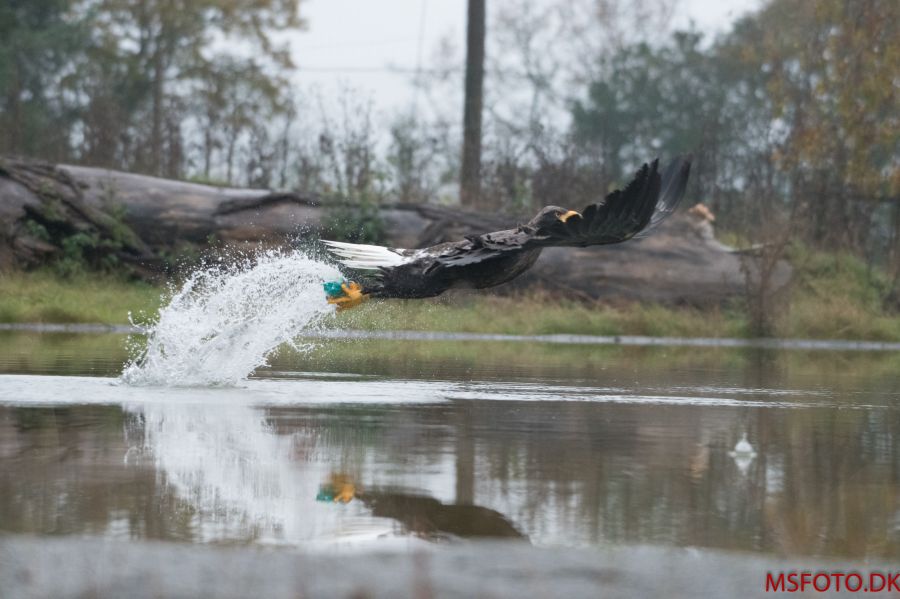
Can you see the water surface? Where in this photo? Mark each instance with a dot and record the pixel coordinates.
(398, 442)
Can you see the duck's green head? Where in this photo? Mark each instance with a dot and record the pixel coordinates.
(333, 288)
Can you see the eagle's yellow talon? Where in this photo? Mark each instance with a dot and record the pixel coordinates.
(353, 296)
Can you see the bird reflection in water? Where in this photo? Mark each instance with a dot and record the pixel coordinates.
(340, 488)
(743, 454)
(420, 514)
(242, 478)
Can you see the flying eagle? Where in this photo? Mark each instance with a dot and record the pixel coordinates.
(487, 260)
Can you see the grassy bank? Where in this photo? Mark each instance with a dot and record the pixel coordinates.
(536, 314)
(62, 353)
(45, 297)
(833, 297)
(837, 296)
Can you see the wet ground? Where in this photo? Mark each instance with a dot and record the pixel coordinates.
(394, 445)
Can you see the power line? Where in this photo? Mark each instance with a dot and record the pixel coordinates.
(358, 44)
(395, 70)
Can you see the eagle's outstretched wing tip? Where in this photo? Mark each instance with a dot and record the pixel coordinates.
(672, 189)
(631, 212)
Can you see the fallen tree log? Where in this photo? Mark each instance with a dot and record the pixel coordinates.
(136, 220)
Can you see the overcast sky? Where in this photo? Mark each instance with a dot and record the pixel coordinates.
(357, 43)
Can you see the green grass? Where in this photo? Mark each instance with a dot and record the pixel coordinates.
(837, 296)
(44, 297)
(538, 314)
(832, 297)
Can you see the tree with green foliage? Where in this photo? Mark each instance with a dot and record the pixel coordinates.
(795, 111)
(230, 97)
(117, 83)
(154, 53)
(36, 40)
(831, 77)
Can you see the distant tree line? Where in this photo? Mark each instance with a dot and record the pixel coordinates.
(152, 86)
(793, 116)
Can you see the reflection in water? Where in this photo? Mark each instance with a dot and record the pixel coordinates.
(239, 479)
(743, 454)
(566, 447)
(340, 488)
(422, 515)
(426, 516)
(823, 481)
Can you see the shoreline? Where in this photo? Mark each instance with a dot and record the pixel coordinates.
(563, 339)
(68, 566)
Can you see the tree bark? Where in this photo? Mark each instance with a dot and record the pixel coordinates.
(14, 106)
(158, 94)
(470, 177)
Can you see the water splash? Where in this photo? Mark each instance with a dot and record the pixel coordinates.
(226, 320)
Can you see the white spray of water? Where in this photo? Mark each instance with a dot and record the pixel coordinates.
(226, 321)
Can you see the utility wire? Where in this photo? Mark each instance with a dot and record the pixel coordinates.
(397, 70)
(358, 44)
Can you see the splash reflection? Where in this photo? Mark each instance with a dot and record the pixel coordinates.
(239, 479)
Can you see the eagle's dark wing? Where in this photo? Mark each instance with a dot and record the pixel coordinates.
(674, 183)
(493, 258)
(624, 213)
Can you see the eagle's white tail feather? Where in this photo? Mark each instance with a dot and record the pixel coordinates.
(365, 257)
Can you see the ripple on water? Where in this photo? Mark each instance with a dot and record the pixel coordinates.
(351, 389)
